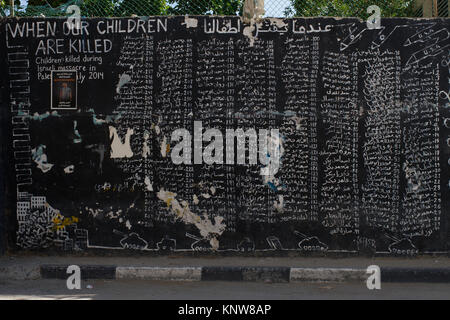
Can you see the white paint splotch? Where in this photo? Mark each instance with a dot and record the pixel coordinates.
(279, 205)
(248, 32)
(208, 229)
(164, 147)
(123, 80)
(108, 119)
(77, 138)
(190, 22)
(119, 149)
(148, 184)
(69, 169)
(40, 158)
(274, 151)
(145, 146)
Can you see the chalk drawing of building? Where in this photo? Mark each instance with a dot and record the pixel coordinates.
(38, 220)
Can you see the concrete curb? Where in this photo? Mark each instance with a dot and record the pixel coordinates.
(160, 273)
(20, 273)
(54, 271)
(253, 274)
(328, 274)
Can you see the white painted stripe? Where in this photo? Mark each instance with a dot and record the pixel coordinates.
(160, 273)
(328, 274)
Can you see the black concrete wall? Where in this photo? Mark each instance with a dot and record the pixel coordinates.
(363, 120)
(3, 142)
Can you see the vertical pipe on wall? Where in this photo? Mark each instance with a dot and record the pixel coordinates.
(11, 6)
(435, 8)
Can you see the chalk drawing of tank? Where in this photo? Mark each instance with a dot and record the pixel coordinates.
(310, 244)
(200, 244)
(131, 241)
(246, 245)
(166, 244)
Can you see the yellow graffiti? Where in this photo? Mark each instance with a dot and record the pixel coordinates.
(60, 222)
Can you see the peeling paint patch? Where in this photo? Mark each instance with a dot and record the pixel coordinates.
(145, 147)
(40, 158)
(195, 199)
(298, 122)
(279, 205)
(164, 147)
(77, 138)
(119, 149)
(208, 229)
(190, 22)
(248, 32)
(109, 118)
(69, 169)
(275, 152)
(413, 178)
(123, 80)
(148, 184)
(39, 117)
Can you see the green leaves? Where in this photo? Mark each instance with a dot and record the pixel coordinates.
(202, 7)
(349, 8)
(121, 8)
(141, 7)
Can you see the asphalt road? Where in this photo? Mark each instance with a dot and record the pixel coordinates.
(164, 290)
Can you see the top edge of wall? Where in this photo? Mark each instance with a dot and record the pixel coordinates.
(226, 16)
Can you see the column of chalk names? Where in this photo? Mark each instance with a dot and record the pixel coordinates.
(133, 98)
(421, 201)
(214, 186)
(312, 119)
(338, 154)
(299, 169)
(149, 133)
(230, 174)
(255, 110)
(382, 138)
(173, 110)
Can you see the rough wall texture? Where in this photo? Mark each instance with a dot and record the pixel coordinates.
(357, 118)
(3, 143)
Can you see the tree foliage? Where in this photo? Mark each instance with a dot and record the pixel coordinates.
(120, 8)
(98, 8)
(349, 8)
(5, 7)
(141, 7)
(52, 3)
(201, 7)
